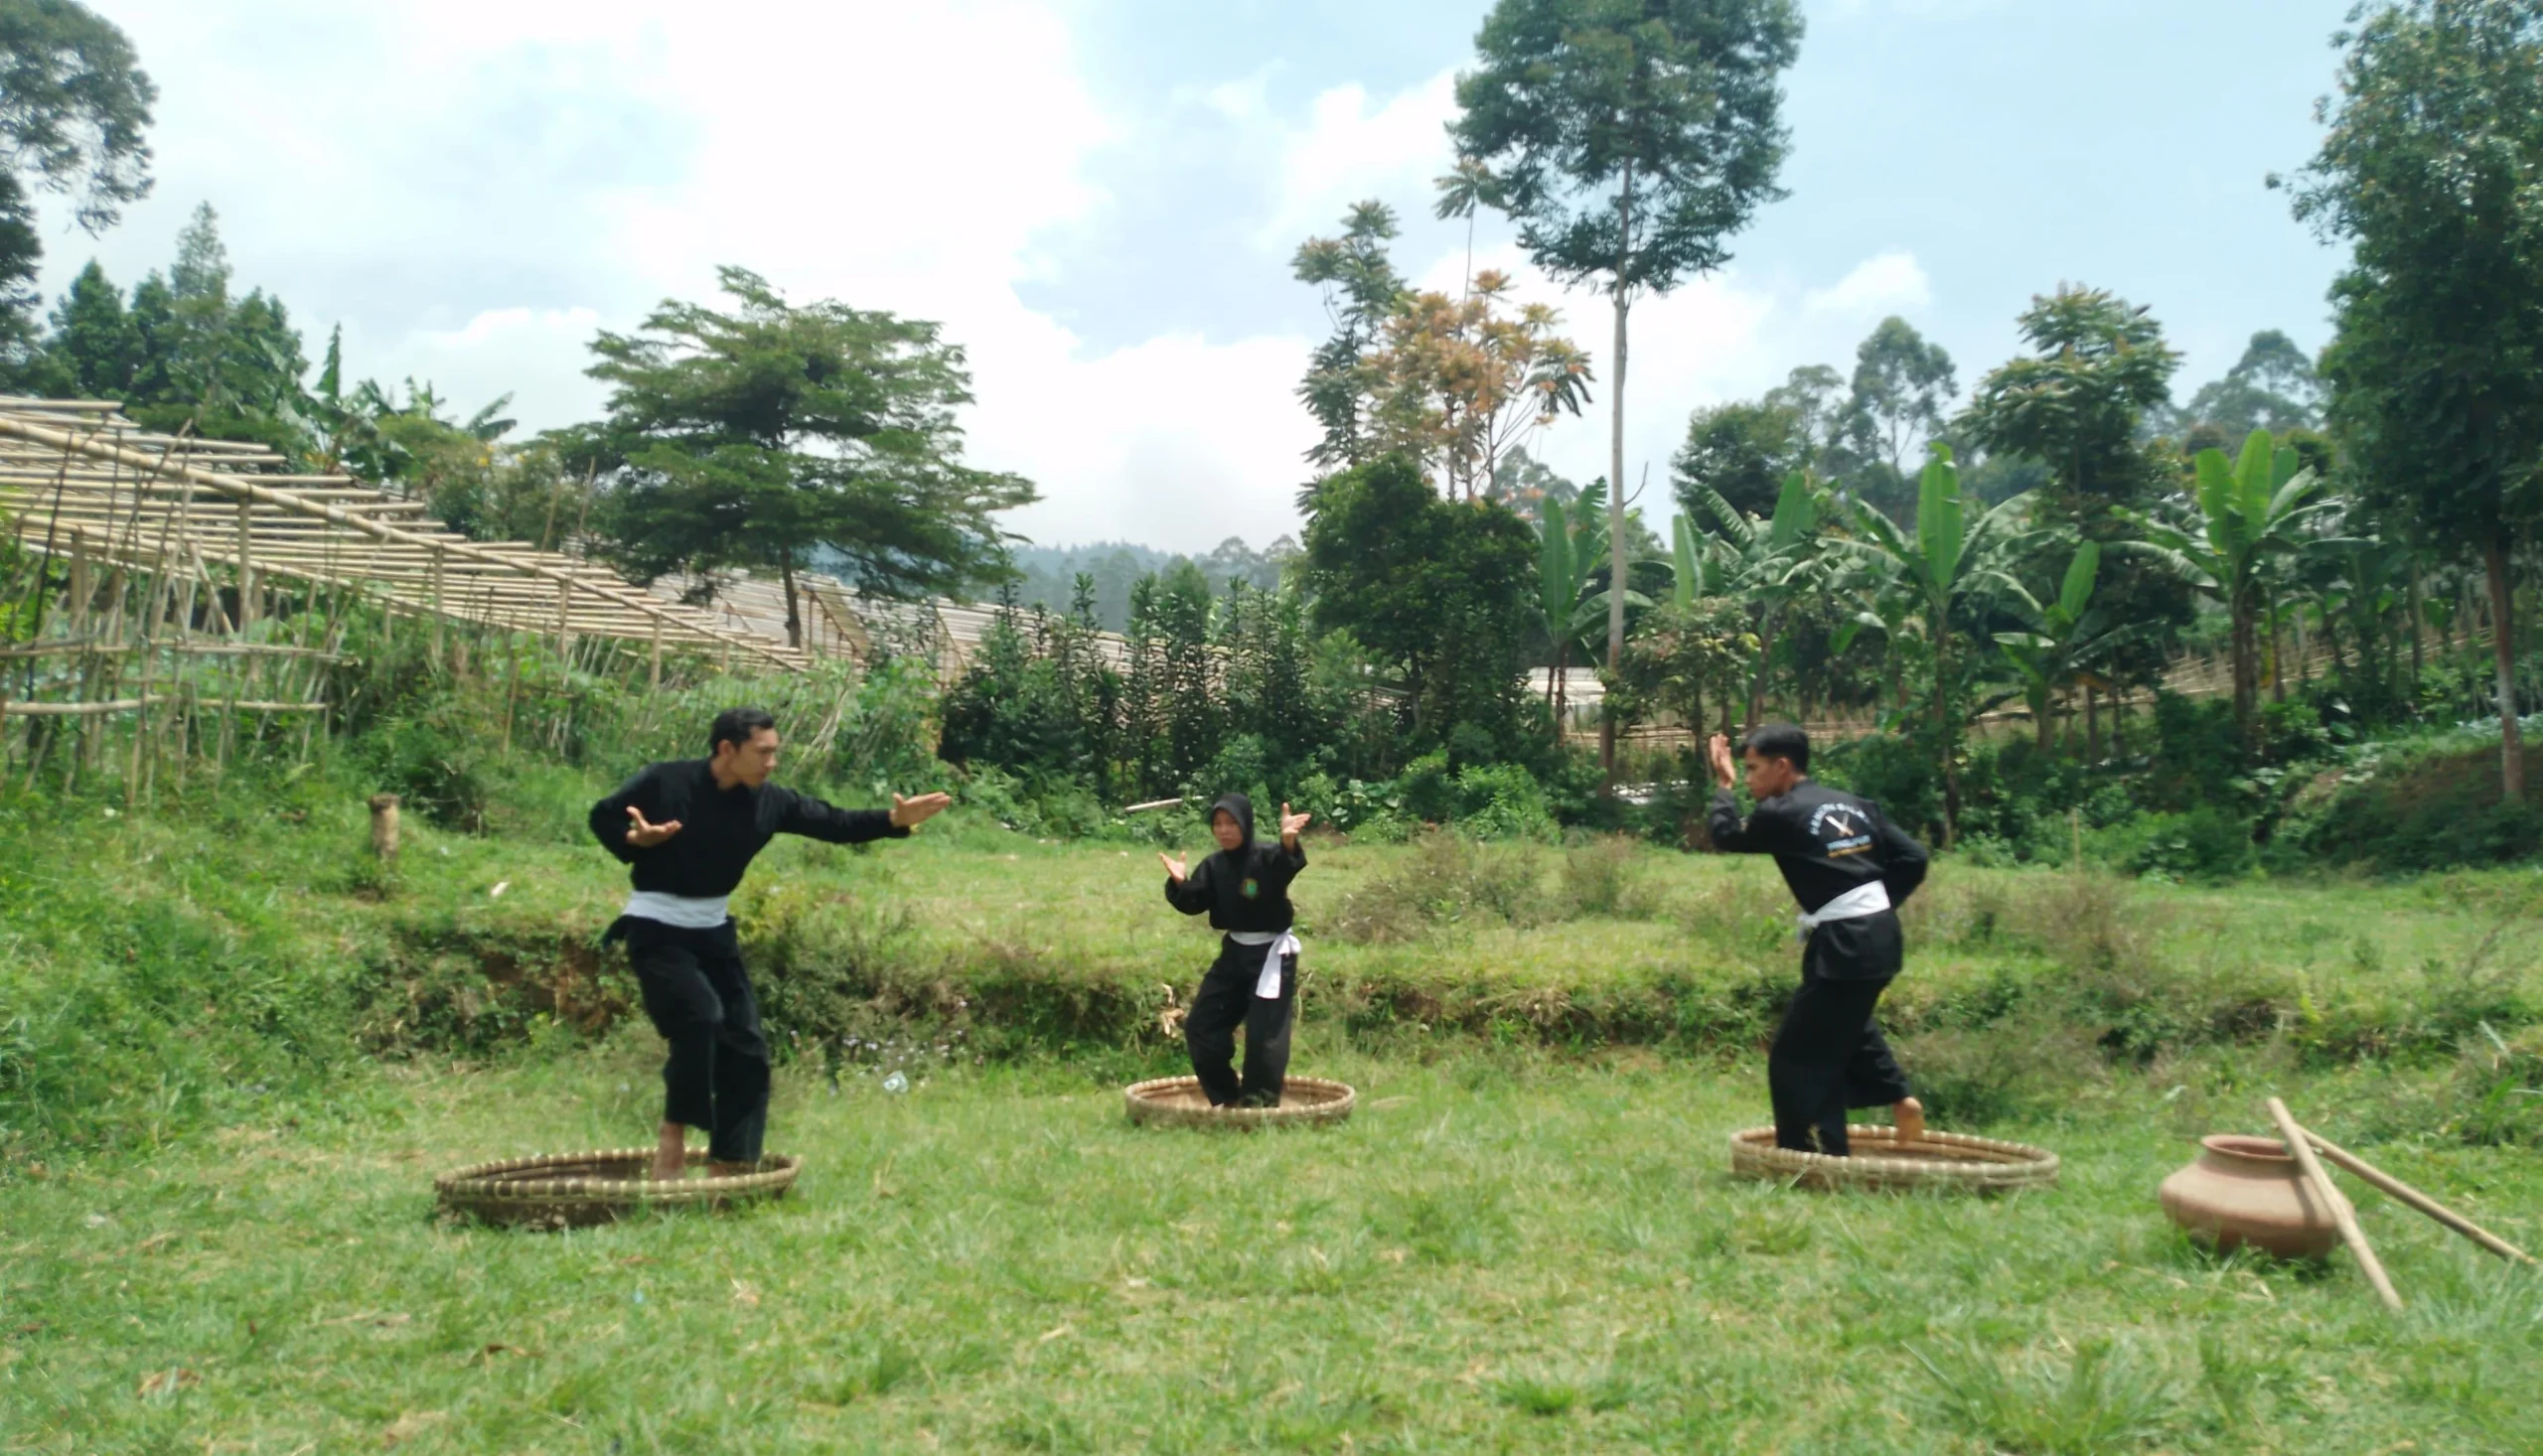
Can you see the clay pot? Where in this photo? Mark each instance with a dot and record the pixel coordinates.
(2247, 1190)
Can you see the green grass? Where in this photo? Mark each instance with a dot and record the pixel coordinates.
(232, 1053)
(1501, 1252)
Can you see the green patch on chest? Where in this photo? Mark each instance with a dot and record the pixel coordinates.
(1252, 888)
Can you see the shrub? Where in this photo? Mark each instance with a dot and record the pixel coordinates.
(1503, 801)
(2495, 1096)
(1451, 879)
(2207, 844)
(2024, 1069)
(1600, 876)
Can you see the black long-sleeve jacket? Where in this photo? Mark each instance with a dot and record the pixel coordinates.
(1245, 888)
(1824, 841)
(720, 829)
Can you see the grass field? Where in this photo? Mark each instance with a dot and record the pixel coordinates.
(1524, 1241)
(1499, 1252)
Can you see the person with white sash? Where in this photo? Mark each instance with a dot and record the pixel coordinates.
(689, 828)
(1245, 888)
(1850, 868)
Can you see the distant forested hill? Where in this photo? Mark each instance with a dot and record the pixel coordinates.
(1050, 572)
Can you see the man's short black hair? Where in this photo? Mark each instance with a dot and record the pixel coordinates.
(1780, 741)
(737, 726)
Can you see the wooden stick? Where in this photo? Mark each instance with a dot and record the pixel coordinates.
(2401, 1191)
(383, 827)
(2351, 1234)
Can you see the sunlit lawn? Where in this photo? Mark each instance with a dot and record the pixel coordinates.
(1499, 1252)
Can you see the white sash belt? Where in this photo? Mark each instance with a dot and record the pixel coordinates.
(1266, 986)
(1869, 898)
(688, 912)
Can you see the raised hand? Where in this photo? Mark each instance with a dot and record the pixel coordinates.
(1173, 867)
(1291, 823)
(645, 835)
(910, 813)
(1717, 754)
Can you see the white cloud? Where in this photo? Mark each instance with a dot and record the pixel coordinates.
(1884, 283)
(478, 186)
(537, 355)
(1349, 150)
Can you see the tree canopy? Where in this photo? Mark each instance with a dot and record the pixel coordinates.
(1628, 139)
(770, 436)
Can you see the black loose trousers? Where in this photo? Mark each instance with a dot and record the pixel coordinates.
(1227, 1001)
(1828, 1054)
(699, 998)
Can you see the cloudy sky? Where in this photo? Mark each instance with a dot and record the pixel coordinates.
(1099, 198)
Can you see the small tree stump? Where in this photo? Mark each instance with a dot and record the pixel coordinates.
(383, 827)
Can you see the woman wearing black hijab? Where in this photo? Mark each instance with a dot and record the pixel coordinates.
(1245, 888)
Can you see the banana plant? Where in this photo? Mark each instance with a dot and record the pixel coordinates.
(2061, 639)
(2250, 509)
(1572, 545)
(1764, 562)
(1953, 556)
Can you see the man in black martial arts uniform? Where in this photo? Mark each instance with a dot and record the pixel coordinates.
(1254, 983)
(689, 827)
(1850, 868)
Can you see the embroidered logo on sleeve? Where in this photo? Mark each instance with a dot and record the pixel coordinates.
(1841, 829)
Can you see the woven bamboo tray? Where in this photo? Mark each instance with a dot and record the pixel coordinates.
(1177, 1101)
(1950, 1162)
(574, 1190)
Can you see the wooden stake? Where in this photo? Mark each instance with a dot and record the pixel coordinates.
(383, 827)
(2401, 1191)
(2299, 1144)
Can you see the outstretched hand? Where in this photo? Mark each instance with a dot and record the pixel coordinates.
(645, 835)
(909, 813)
(1717, 754)
(1173, 867)
(1291, 823)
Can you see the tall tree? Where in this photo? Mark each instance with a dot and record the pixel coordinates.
(1458, 383)
(1740, 452)
(2428, 173)
(757, 437)
(2096, 365)
(74, 105)
(93, 343)
(1902, 386)
(2273, 388)
(2074, 403)
(1361, 290)
(1629, 139)
(1444, 594)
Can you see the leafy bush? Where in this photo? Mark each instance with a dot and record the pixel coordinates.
(1503, 801)
(2205, 844)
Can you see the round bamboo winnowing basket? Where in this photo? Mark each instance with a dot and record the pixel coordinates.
(1177, 1101)
(574, 1190)
(1949, 1162)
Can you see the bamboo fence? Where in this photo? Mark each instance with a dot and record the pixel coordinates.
(184, 586)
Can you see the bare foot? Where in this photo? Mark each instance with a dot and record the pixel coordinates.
(721, 1169)
(1908, 1116)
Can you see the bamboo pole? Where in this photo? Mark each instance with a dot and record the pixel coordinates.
(2401, 1191)
(2299, 1144)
